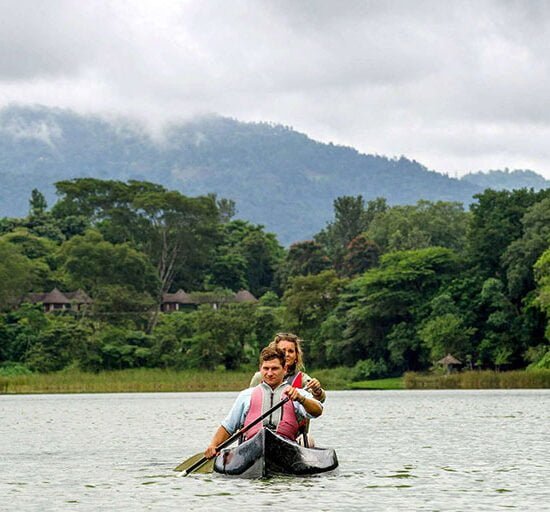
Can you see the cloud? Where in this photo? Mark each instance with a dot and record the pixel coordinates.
(458, 86)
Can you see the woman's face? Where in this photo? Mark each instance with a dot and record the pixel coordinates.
(289, 349)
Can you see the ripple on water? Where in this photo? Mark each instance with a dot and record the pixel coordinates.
(386, 462)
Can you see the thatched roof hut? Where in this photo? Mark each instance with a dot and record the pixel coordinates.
(176, 301)
(57, 300)
(449, 362)
(245, 296)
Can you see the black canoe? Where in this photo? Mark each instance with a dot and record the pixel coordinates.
(269, 454)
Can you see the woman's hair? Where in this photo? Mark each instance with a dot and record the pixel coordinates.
(288, 336)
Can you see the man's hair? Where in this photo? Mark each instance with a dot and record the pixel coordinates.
(270, 353)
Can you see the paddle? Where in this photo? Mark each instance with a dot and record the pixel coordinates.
(196, 461)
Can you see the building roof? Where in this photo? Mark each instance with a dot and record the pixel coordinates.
(448, 360)
(58, 297)
(180, 297)
(245, 296)
(55, 297)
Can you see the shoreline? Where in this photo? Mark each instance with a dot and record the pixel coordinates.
(169, 381)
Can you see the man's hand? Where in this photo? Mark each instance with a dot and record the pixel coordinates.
(210, 452)
(293, 394)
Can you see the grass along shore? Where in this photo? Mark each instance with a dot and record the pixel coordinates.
(520, 379)
(145, 380)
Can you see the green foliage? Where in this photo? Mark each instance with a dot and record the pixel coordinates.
(398, 292)
(126, 243)
(496, 223)
(446, 334)
(58, 344)
(270, 299)
(361, 255)
(542, 296)
(369, 369)
(246, 258)
(522, 253)
(426, 224)
(302, 259)
(309, 300)
(9, 369)
(37, 203)
(540, 361)
(173, 230)
(92, 263)
(115, 348)
(350, 220)
(16, 274)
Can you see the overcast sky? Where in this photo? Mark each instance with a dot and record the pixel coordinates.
(459, 86)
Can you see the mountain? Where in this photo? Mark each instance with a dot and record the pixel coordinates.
(507, 180)
(278, 177)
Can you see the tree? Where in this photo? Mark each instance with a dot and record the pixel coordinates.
(57, 345)
(223, 336)
(302, 259)
(495, 223)
(350, 219)
(542, 296)
(90, 262)
(425, 224)
(173, 230)
(250, 254)
(520, 256)
(501, 341)
(308, 301)
(361, 255)
(446, 334)
(16, 274)
(37, 203)
(399, 291)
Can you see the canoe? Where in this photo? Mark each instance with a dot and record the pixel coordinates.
(268, 454)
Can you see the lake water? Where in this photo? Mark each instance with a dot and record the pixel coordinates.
(398, 450)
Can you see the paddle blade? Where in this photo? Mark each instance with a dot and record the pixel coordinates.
(207, 467)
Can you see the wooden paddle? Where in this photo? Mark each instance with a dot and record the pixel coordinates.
(198, 460)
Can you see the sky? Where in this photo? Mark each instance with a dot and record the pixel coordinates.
(459, 86)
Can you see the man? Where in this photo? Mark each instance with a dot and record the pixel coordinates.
(253, 402)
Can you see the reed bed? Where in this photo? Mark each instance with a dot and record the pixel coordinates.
(145, 380)
(379, 384)
(520, 379)
(125, 381)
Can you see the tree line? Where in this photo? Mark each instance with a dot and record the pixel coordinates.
(381, 289)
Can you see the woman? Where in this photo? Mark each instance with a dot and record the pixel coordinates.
(290, 344)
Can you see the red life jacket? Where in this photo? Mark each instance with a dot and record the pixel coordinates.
(297, 381)
(284, 418)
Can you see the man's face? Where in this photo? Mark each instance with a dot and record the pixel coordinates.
(272, 372)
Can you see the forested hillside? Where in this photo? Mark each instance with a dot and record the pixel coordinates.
(381, 289)
(278, 177)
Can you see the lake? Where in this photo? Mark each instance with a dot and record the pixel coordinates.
(398, 450)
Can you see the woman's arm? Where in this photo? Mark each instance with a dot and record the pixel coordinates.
(314, 387)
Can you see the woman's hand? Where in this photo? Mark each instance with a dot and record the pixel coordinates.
(315, 387)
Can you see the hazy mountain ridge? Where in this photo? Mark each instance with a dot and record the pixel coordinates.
(277, 176)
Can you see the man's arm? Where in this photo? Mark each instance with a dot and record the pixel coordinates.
(231, 423)
(219, 437)
(312, 407)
